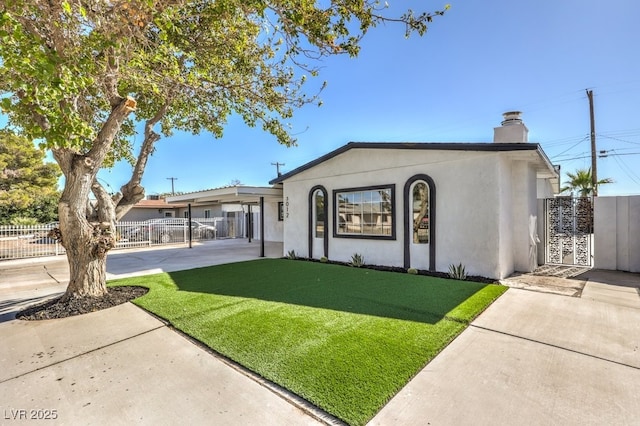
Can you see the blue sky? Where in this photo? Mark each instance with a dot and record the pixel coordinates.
(452, 85)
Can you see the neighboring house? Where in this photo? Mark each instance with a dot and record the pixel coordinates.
(152, 208)
(423, 205)
(240, 207)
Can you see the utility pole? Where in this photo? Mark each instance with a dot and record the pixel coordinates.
(277, 167)
(594, 166)
(172, 179)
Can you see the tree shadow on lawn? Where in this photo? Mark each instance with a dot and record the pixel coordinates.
(335, 287)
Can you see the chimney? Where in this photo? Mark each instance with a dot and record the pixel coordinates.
(512, 129)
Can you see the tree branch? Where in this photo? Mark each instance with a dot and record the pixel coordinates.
(132, 191)
(102, 143)
(105, 209)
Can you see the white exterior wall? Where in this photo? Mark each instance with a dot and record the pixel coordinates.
(545, 189)
(525, 216)
(198, 211)
(273, 228)
(141, 214)
(504, 210)
(468, 189)
(617, 233)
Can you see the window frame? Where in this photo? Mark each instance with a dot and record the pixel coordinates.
(280, 211)
(412, 195)
(317, 212)
(336, 215)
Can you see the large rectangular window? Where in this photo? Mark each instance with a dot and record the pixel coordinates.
(366, 212)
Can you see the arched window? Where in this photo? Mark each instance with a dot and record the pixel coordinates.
(319, 219)
(420, 215)
(419, 196)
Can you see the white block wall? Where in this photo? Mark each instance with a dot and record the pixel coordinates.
(617, 233)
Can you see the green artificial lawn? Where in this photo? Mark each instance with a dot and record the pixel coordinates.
(346, 339)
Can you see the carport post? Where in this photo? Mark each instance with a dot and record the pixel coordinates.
(250, 222)
(261, 226)
(189, 222)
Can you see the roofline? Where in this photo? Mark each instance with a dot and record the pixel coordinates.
(239, 191)
(444, 146)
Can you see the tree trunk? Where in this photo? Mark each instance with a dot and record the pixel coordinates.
(87, 232)
(88, 276)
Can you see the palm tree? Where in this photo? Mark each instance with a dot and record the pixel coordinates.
(582, 182)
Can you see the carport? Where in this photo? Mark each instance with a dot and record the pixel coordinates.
(249, 196)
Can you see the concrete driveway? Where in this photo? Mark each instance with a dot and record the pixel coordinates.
(27, 281)
(531, 358)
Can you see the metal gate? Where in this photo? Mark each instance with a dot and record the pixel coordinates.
(569, 231)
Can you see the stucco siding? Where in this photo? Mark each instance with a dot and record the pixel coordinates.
(504, 211)
(467, 225)
(138, 214)
(524, 213)
(198, 211)
(617, 233)
(273, 228)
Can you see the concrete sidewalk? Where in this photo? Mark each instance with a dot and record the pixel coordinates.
(123, 366)
(536, 358)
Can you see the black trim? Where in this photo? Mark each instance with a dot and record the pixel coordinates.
(408, 220)
(491, 147)
(311, 220)
(280, 210)
(392, 187)
(261, 226)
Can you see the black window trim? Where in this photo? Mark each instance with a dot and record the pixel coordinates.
(280, 211)
(391, 186)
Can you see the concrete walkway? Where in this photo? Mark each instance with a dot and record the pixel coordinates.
(122, 365)
(538, 359)
(531, 358)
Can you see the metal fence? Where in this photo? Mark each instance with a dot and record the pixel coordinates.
(17, 242)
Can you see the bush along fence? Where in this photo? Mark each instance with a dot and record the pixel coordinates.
(17, 242)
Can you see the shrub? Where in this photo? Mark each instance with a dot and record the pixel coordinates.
(324, 259)
(412, 271)
(457, 272)
(357, 260)
(24, 221)
(292, 255)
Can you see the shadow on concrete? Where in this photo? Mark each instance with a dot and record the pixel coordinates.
(10, 307)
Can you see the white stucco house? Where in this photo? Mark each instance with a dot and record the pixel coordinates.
(422, 205)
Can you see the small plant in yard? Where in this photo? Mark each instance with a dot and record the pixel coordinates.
(357, 260)
(457, 272)
(292, 255)
(324, 259)
(412, 271)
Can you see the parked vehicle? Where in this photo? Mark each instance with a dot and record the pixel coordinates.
(168, 231)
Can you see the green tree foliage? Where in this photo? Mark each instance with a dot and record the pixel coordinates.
(28, 185)
(79, 75)
(581, 182)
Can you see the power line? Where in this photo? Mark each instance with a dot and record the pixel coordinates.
(627, 170)
(620, 140)
(571, 147)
